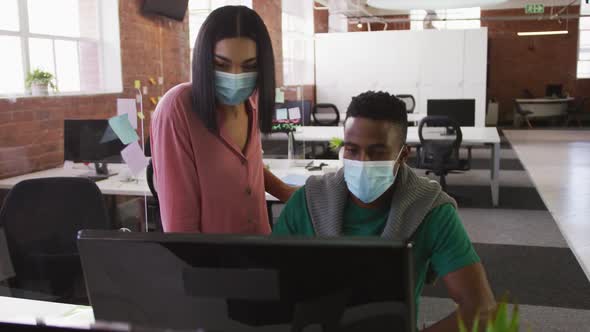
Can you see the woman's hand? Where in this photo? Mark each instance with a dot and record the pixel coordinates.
(274, 186)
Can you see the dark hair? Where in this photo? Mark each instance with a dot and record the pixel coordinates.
(232, 22)
(380, 106)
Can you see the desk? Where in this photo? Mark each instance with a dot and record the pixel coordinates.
(472, 136)
(22, 311)
(542, 107)
(111, 186)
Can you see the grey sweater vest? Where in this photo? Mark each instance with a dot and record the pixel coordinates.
(414, 197)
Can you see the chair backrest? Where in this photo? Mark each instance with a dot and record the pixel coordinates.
(326, 115)
(150, 179)
(41, 219)
(528, 94)
(439, 149)
(518, 107)
(409, 101)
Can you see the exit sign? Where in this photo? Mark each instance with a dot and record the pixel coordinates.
(534, 9)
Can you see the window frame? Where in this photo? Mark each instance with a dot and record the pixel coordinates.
(25, 35)
(584, 15)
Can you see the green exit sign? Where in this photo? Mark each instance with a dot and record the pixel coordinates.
(534, 9)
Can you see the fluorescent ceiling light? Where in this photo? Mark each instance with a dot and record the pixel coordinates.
(430, 4)
(542, 33)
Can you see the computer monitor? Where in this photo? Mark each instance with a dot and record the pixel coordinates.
(554, 90)
(249, 283)
(460, 110)
(92, 141)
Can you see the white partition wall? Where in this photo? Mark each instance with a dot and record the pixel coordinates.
(429, 64)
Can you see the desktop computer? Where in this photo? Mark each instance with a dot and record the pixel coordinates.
(92, 141)
(249, 283)
(461, 111)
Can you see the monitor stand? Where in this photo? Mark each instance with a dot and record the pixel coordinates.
(101, 172)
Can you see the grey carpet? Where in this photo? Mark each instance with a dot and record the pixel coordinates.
(480, 197)
(532, 275)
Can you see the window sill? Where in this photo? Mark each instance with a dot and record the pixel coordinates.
(61, 94)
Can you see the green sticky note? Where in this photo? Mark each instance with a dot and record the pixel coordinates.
(279, 96)
(137, 84)
(122, 127)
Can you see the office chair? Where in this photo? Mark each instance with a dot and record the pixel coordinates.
(409, 101)
(524, 114)
(575, 111)
(41, 219)
(437, 154)
(325, 115)
(153, 204)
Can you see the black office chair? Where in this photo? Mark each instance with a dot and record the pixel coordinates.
(41, 219)
(153, 204)
(325, 115)
(524, 114)
(439, 151)
(527, 94)
(409, 101)
(575, 111)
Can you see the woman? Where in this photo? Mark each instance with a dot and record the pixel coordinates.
(206, 148)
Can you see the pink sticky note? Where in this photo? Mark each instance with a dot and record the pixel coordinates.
(134, 158)
(128, 106)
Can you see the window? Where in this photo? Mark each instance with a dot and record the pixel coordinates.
(462, 18)
(200, 9)
(298, 42)
(584, 42)
(64, 37)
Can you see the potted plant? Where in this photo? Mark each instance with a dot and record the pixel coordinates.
(500, 323)
(336, 146)
(39, 81)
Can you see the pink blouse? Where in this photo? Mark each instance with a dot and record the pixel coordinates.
(205, 184)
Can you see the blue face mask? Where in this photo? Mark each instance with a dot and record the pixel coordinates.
(234, 89)
(368, 180)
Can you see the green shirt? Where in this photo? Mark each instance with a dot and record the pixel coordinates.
(440, 240)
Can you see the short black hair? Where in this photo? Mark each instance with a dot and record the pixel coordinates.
(231, 22)
(380, 106)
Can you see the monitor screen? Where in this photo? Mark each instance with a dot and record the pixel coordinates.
(554, 90)
(249, 283)
(91, 141)
(460, 110)
(175, 9)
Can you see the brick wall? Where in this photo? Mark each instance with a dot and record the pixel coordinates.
(321, 19)
(271, 13)
(31, 129)
(517, 63)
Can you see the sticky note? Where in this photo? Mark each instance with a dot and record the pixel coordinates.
(122, 127)
(281, 114)
(108, 136)
(137, 84)
(294, 113)
(145, 90)
(159, 98)
(279, 96)
(154, 100)
(134, 158)
(128, 106)
(153, 81)
(140, 115)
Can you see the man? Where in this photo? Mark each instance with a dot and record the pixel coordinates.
(376, 194)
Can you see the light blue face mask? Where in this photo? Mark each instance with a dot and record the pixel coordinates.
(234, 89)
(368, 180)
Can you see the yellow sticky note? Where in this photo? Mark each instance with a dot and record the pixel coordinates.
(140, 115)
(153, 81)
(154, 100)
(159, 98)
(137, 84)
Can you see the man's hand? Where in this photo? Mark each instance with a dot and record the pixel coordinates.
(469, 288)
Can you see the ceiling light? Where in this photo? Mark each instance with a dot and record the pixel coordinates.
(542, 33)
(430, 4)
(360, 25)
